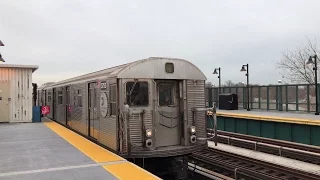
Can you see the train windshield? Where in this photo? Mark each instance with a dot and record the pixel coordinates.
(137, 93)
(166, 94)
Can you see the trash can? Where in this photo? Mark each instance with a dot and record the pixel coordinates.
(36, 114)
(228, 101)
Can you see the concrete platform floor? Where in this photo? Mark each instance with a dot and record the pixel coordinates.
(34, 151)
(272, 114)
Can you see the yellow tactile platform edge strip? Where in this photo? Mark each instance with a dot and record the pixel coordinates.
(271, 118)
(123, 171)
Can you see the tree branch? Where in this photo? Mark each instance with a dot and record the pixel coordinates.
(293, 63)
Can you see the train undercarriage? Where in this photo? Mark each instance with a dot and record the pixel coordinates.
(167, 168)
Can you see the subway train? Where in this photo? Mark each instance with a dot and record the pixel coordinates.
(151, 111)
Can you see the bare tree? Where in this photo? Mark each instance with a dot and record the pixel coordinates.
(293, 64)
(208, 84)
(239, 84)
(229, 83)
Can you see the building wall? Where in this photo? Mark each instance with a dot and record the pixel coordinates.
(20, 93)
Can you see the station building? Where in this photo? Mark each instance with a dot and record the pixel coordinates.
(16, 92)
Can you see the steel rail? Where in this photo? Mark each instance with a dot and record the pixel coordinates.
(250, 168)
(207, 173)
(282, 143)
(275, 147)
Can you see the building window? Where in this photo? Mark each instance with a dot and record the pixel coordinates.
(137, 93)
(59, 97)
(113, 100)
(79, 98)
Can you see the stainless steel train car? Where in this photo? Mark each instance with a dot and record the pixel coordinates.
(148, 109)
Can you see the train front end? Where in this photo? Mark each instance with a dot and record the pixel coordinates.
(163, 113)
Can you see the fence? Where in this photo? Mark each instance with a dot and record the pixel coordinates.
(297, 97)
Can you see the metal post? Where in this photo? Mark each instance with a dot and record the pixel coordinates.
(248, 108)
(210, 96)
(215, 123)
(219, 80)
(259, 92)
(308, 99)
(219, 76)
(316, 83)
(310, 61)
(268, 105)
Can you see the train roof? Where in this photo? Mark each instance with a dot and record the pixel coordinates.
(150, 68)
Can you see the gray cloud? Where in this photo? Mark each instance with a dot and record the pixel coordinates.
(68, 38)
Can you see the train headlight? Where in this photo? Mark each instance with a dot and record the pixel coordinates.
(193, 129)
(148, 143)
(148, 132)
(193, 139)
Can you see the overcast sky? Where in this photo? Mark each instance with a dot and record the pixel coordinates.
(67, 38)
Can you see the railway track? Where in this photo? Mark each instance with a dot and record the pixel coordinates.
(197, 172)
(301, 152)
(238, 167)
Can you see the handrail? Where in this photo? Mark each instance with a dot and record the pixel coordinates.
(289, 97)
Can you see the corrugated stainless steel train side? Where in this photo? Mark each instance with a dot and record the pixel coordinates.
(153, 107)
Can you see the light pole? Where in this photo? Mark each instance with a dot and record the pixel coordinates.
(315, 68)
(219, 76)
(1, 59)
(247, 74)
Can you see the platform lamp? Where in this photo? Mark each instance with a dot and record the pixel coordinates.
(1, 59)
(247, 74)
(219, 76)
(315, 68)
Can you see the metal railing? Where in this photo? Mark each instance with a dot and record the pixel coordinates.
(293, 97)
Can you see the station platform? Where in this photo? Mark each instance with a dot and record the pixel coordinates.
(288, 126)
(277, 116)
(286, 162)
(50, 151)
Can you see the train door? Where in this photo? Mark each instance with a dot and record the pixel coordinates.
(54, 103)
(168, 114)
(68, 107)
(93, 124)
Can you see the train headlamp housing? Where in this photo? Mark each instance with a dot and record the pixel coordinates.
(209, 113)
(193, 139)
(192, 129)
(148, 133)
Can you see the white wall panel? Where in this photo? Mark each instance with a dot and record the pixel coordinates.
(20, 92)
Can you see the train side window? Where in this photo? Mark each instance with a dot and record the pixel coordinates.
(113, 101)
(49, 97)
(59, 97)
(45, 97)
(137, 93)
(166, 94)
(79, 98)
